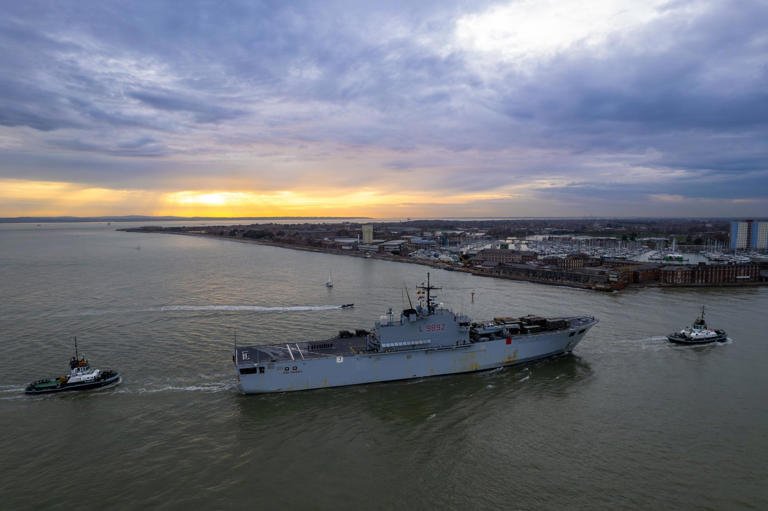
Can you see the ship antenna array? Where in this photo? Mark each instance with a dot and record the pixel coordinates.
(428, 288)
(76, 356)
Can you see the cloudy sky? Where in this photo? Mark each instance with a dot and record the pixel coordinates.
(386, 109)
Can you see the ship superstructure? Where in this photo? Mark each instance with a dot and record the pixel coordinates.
(426, 340)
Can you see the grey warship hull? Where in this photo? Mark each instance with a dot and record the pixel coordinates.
(351, 361)
(428, 340)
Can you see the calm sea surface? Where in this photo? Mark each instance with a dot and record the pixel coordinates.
(629, 421)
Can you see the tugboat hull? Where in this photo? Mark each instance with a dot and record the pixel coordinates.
(106, 379)
(699, 333)
(678, 339)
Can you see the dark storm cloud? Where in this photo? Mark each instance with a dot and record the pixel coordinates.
(143, 147)
(685, 92)
(702, 187)
(203, 113)
(706, 74)
(23, 105)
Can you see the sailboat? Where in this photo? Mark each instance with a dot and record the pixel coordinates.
(330, 281)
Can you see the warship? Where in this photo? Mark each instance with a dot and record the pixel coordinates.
(426, 340)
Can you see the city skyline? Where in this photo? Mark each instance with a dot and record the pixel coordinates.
(460, 109)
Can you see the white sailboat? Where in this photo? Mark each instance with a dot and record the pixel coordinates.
(330, 281)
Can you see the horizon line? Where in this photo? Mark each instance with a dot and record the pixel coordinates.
(151, 218)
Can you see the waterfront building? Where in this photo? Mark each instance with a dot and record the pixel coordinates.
(644, 273)
(394, 246)
(761, 238)
(368, 233)
(421, 244)
(749, 235)
(565, 262)
(709, 274)
(505, 256)
(592, 278)
(368, 247)
(345, 243)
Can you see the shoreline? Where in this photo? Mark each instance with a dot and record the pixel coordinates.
(443, 266)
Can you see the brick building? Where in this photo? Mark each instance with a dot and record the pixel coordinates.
(644, 273)
(709, 274)
(569, 262)
(504, 256)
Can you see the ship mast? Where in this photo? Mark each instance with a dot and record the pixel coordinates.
(428, 288)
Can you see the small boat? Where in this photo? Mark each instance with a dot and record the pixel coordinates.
(699, 333)
(347, 305)
(81, 377)
(329, 283)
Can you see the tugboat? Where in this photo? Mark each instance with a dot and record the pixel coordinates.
(699, 333)
(81, 377)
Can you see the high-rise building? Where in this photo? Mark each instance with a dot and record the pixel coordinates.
(367, 233)
(749, 234)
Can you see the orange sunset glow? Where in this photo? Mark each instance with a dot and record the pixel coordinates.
(490, 109)
(51, 198)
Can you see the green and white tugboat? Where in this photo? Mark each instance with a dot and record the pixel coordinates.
(81, 377)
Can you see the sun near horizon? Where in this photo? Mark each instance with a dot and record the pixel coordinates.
(493, 109)
(50, 198)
